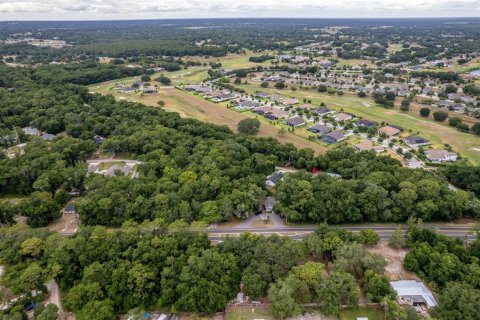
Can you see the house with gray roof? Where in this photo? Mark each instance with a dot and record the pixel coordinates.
(274, 178)
(333, 137)
(319, 128)
(31, 131)
(416, 141)
(295, 121)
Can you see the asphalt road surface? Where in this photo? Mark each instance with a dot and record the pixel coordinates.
(461, 231)
(297, 233)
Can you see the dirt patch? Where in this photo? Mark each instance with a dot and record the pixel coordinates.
(67, 223)
(263, 224)
(394, 269)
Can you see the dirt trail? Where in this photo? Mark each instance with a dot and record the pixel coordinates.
(54, 298)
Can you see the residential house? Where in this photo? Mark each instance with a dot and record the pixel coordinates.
(343, 116)
(290, 101)
(150, 89)
(98, 139)
(262, 95)
(416, 141)
(263, 110)
(389, 131)
(31, 131)
(319, 128)
(223, 97)
(368, 145)
(70, 209)
(274, 178)
(245, 104)
(366, 123)
(295, 121)
(276, 113)
(269, 203)
(321, 111)
(333, 137)
(305, 106)
(413, 292)
(439, 156)
(48, 136)
(126, 89)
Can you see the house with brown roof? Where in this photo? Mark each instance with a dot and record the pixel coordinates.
(389, 131)
(368, 145)
(439, 156)
(343, 116)
(290, 101)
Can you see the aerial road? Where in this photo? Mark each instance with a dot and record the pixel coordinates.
(299, 232)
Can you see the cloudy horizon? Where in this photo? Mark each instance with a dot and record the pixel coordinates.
(12, 10)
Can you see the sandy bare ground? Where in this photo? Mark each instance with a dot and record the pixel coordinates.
(394, 269)
(54, 298)
(67, 223)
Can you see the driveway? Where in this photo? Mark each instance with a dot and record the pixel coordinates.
(257, 222)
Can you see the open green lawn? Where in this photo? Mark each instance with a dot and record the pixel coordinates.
(353, 314)
(248, 313)
(394, 47)
(468, 145)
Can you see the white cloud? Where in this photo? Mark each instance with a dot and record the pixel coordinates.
(131, 9)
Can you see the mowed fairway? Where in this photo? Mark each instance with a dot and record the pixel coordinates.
(468, 145)
(190, 105)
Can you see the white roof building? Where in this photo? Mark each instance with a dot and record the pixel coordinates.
(414, 292)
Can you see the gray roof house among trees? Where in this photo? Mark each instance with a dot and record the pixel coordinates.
(274, 178)
(269, 203)
(31, 131)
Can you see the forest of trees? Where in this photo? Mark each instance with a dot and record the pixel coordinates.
(450, 266)
(371, 188)
(155, 264)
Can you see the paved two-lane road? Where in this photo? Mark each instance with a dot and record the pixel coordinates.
(298, 232)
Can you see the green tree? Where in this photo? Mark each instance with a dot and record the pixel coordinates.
(377, 286)
(392, 310)
(458, 301)
(340, 288)
(207, 282)
(476, 128)
(397, 240)
(425, 112)
(282, 295)
(369, 237)
(100, 310)
(49, 313)
(440, 116)
(249, 126)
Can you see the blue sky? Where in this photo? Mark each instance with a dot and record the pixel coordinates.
(161, 9)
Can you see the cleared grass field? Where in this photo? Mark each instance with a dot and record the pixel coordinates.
(353, 314)
(468, 145)
(190, 105)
